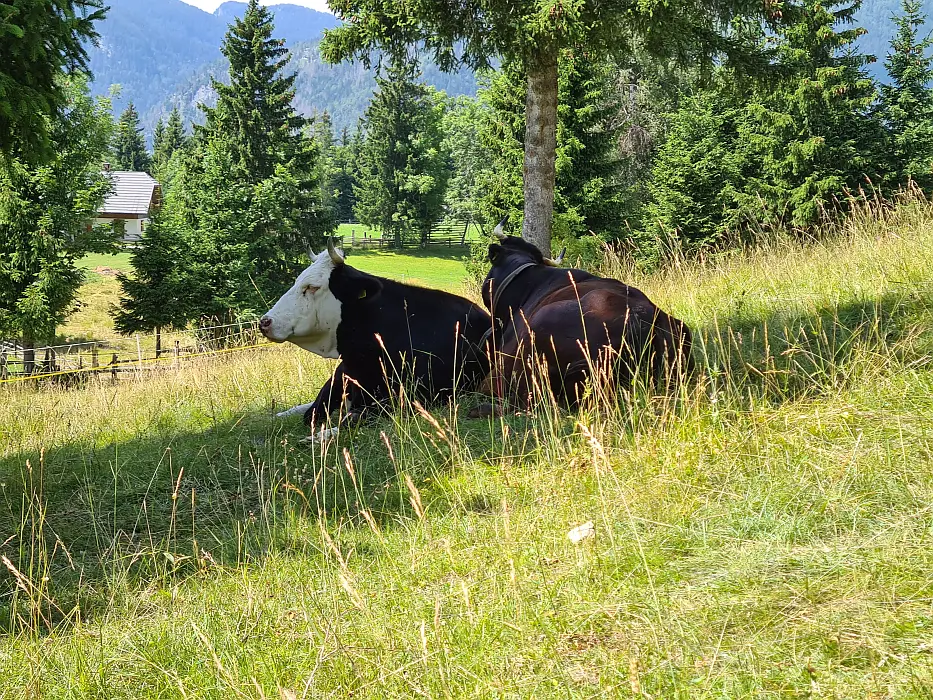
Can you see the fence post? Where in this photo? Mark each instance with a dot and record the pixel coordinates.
(139, 354)
(113, 368)
(4, 372)
(94, 361)
(49, 361)
(175, 356)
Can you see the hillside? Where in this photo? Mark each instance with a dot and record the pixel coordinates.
(163, 52)
(763, 535)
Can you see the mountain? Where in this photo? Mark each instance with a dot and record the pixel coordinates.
(163, 53)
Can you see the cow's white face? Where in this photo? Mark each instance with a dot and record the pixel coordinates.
(307, 314)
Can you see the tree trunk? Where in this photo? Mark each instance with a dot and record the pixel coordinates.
(158, 335)
(540, 149)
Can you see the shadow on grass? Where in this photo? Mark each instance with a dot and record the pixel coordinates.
(786, 356)
(88, 520)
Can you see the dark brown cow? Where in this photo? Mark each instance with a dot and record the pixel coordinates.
(572, 322)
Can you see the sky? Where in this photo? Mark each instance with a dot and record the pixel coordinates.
(211, 5)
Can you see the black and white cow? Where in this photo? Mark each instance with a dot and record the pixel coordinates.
(386, 334)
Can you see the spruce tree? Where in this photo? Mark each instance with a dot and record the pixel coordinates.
(158, 138)
(129, 148)
(468, 159)
(814, 133)
(155, 297)
(531, 34)
(402, 167)
(346, 155)
(171, 140)
(907, 103)
(247, 188)
(40, 43)
(255, 111)
(698, 176)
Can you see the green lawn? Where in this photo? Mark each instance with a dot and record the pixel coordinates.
(441, 268)
(763, 534)
(119, 262)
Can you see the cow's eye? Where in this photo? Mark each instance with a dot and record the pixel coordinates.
(309, 288)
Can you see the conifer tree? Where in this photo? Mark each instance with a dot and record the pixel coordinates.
(255, 110)
(346, 155)
(129, 148)
(468, 159)
(907, 103)
(171, 140)
(531, 34)
(248, 192)
(40, 43)
(402, 173)
(155, 297)
(698, 176)
(814, 133)
(158, 136)
(322, 133)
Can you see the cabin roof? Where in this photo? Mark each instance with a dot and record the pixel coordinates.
(134, 194)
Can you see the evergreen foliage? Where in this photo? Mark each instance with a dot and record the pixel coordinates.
(907, 102)
(468, 159)
(155, 296)
(247, 197)
(814, 133)
(345, 168)
(40, 41)
(44, 215)
(129, 147)
(530, 35)
(698, 177)
(255, 111)
(169, 141)
(402, 167)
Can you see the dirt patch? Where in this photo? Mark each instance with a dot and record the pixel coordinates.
(105, 271)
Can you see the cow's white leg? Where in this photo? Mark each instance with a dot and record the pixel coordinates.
(292, 411)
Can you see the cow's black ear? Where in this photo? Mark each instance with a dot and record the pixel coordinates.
(495, 250)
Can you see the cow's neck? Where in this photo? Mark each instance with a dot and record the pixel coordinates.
(498, 291)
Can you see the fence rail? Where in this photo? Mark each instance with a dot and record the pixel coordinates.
(442, 234)
(70, 362)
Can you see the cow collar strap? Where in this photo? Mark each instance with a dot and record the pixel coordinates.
(498, 292)
(496, 295)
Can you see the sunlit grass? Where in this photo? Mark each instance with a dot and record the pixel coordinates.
(761, 533)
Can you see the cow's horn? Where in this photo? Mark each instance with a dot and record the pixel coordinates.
(335, 255)
(499, 230)
(556, 261)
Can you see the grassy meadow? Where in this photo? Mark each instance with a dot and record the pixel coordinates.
(760, 534)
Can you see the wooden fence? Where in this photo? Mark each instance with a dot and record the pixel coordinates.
(447, 234)
(68, 364)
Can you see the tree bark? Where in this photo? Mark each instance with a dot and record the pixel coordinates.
(540, 149)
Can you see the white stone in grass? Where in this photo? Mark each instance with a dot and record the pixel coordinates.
(582, 532)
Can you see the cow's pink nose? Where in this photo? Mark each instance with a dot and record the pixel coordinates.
(264, 323)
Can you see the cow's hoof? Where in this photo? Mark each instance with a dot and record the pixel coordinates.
(484, 410)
